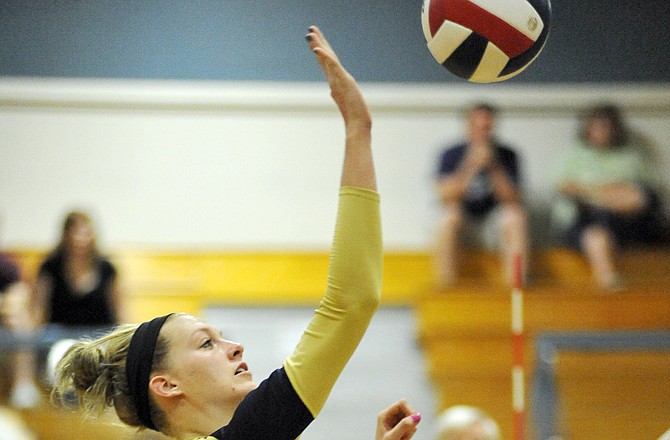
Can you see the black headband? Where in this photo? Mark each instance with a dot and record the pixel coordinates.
(138, 366)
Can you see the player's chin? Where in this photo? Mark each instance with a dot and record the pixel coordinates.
(246, 379)
(244, 376)
(248, 387)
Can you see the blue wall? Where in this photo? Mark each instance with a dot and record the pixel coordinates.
(380, 40)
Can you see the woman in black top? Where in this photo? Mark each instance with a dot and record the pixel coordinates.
(76, 286)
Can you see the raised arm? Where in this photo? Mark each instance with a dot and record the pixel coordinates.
(354, 277)
(358, 168)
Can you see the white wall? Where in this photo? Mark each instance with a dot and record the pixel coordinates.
(256, 165)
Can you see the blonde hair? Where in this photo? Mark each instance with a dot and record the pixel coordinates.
(94, 372)
(459, 420)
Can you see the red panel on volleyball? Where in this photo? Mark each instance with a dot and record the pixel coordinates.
(467, 14)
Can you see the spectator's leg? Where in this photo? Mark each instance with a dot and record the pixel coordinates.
(14, 312)
(447, 245)
(598, 245)
(25, 392)
(514, 239)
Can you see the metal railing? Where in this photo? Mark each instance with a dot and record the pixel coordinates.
(544, 394)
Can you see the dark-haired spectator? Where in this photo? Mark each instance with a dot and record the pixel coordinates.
(610, 194)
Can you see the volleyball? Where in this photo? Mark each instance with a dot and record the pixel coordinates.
(485, 40)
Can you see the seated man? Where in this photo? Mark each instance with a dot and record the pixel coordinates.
(478, 180)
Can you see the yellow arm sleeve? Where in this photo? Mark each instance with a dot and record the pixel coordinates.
(352, 297)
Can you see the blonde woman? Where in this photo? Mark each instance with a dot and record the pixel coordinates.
(179, 375)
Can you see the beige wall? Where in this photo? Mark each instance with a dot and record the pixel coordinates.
(256, 165)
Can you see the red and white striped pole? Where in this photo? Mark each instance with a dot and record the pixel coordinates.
(518, 385)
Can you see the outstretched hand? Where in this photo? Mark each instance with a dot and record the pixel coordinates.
(343, 87)
(397, 422)
(358, 166)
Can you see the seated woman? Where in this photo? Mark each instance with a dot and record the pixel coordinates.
(76, 285)
(610, 196)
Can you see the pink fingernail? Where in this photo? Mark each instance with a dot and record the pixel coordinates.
(416, 417)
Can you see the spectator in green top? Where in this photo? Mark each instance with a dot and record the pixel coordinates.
(609, 194)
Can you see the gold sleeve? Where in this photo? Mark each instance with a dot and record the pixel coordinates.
(351, 299)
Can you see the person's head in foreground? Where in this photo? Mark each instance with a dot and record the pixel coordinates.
(466, 423)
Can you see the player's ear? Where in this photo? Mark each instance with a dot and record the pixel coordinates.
(163, 386)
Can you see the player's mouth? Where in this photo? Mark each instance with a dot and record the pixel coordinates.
(241, 369)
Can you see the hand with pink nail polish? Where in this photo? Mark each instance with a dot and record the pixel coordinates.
(397, 422)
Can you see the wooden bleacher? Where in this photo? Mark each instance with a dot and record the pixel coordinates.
(155, 282)
(49, 423)
(464, 332)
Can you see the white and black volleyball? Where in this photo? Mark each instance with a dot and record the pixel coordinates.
(486, 40)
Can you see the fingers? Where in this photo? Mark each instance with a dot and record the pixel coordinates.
(405, 429)
(322, 49)
(343, 87)
(394, 413)
(397, 422)
(317, 40)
